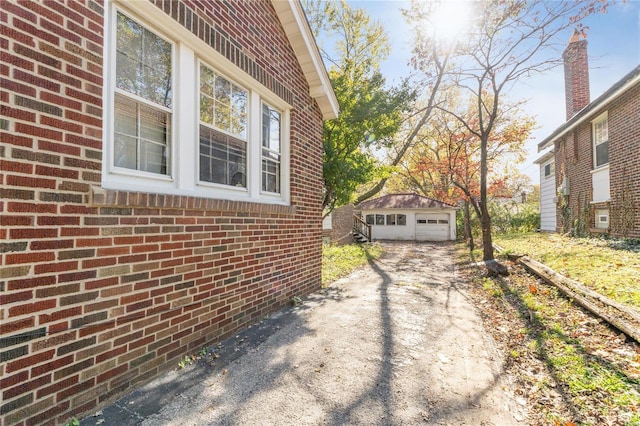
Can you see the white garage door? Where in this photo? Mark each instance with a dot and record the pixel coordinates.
(432, 226)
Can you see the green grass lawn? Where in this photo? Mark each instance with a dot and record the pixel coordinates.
(338, 261)
(609, 267)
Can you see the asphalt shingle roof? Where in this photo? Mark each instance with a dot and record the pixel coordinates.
(403, 201)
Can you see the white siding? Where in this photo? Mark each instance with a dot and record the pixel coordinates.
(547, 197)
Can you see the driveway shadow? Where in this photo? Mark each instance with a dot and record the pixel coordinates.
(269, 354)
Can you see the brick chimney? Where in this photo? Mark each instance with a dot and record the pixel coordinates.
(576, 74)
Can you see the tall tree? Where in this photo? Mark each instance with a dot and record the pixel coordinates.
(445, 161)
(370, 113)
(504, 41)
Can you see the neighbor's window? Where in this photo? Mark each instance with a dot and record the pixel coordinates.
(402, 220)
(602, 218)
(271, 136)
(370, 219)
(548, 169)
(391, 219)
(223, 130)
(142, 99)
(601, 141)
(379, 219)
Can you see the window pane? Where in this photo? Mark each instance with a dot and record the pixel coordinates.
(223, 159)
(206, 109)
(270, 128)
(370, 219)
(602, 154)
(391, 219)
(126, 116)
(125, 152)
(271, 149)
(379, 219)
(601, 131)
(153, 124)
(402, 219)
(143, 62)
(222, 103)
(141, 136)
(153, 158)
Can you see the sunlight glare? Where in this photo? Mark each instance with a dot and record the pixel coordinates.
(451, 19)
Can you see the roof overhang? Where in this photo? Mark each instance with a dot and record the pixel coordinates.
(545, 157)
(628, 81)
(296, 26)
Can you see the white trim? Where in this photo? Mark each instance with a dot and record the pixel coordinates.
(599, 119)
(597, 103)
(117, 177)
(602, 214)
(296, 26)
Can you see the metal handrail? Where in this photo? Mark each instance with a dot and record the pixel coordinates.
(361, 227)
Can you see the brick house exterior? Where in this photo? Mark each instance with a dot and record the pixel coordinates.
(338, 225)
(596, 154)
(123, 247)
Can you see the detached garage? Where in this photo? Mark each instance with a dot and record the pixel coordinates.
(409, 217)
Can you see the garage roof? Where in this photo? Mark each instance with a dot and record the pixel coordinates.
(403, 201)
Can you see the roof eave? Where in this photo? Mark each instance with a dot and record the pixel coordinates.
(296, 26)
(546, 156)
(585, 113)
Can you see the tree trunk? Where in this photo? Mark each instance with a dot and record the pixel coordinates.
(487, 240)
(485, 219)
(468, 235)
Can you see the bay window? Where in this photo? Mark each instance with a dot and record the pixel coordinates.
(182, 119)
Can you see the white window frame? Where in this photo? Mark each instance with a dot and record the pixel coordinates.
(262, 148)
(222, 187)
(182, 178)
(602, 213)
(602, 118)
(551, 167)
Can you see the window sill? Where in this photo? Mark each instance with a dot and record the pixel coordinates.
(600, 168)
(101, 197)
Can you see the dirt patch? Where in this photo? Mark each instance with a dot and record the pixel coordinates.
(397, 342)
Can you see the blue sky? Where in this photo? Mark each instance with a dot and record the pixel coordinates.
(613, 46)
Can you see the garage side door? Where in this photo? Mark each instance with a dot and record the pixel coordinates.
(432, 226)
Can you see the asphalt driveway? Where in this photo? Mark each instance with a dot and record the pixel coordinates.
(397, 342)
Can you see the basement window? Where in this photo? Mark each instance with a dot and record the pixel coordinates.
(602, 218)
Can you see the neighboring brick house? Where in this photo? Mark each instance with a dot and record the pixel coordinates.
(161, 187)
(596, 154)
(337, 227)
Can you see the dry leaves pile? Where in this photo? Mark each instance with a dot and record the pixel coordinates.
(569, 367)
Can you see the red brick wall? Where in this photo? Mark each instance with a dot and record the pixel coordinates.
(101, 291)
(624, 160)
(574, 158)
(342, 225)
